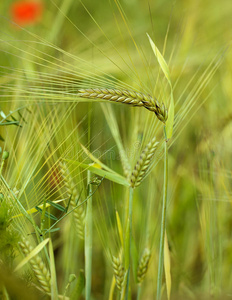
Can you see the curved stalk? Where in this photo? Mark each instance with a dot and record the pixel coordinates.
(163, 221)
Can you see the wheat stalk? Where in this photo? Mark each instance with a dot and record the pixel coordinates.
(41, 272)
(119, 272)
(127, 97)
(79, 213)
(143, 163)
(143, 265)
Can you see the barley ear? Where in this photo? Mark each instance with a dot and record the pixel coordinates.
(160, 111)
(119, 272)
(113, 95)
(127, 97)
(142, 166)
(143, 265)
(41, 272)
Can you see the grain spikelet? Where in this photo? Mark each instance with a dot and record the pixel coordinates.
(127, 97)
(119, 272)
(41, 272)
(143, 265)
(143, 163)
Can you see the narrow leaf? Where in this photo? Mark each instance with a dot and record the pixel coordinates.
(120, 231)
(52, 230)
(96, 160)
(165, 69)
(115, 177)
(13, 118)
(54, 291)
(10, 123)
(46, 214)
(161, 60)
(34, 209)
(31, 254)
(78, 288)
(112, 288)
(57, 206)
(22, 116)
(167, 266)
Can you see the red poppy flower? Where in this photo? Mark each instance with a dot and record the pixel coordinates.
(26, 12)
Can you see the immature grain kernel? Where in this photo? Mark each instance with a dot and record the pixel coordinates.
(128, 97)
(143, 265)
(119, 272)
(143, 164)
(41, 272)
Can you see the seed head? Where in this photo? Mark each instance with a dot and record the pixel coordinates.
(142, 166)
(128, 97)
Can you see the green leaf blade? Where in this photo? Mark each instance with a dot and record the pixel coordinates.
(78, 288)
(161, 60)
(163, 65)
(112, 176)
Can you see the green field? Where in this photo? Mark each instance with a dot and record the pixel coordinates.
(115, 149)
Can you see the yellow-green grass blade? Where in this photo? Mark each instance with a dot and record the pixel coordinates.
(96, 160)
(160, 59)
(54, 291)
(165, 69)
(167, 266)
(115, 177)
(33, 253)
(120, 230)
(34, 210)
(78, 288)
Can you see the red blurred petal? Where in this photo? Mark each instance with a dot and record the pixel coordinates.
(26, 12)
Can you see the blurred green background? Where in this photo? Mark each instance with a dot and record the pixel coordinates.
(78, 42)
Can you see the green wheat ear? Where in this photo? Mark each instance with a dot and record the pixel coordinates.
(127, 97)
(143, 265)
(119, 272)
(142, 166)
(41, 272)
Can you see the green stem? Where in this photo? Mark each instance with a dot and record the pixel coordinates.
(139, 292)
(1, 167)
(128, 241)
(163, 221)
(88, 242)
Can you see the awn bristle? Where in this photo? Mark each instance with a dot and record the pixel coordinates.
(79, 213)
(143, 164)
(128, 97)
(119, 272)
(41, 272)
(143, 265)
